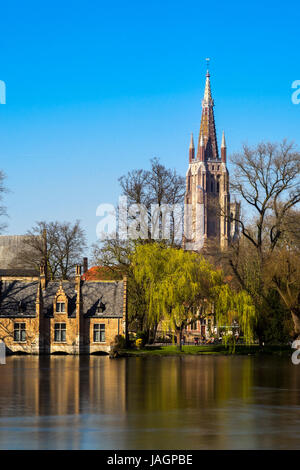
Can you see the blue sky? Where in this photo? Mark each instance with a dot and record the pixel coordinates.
(96, 88)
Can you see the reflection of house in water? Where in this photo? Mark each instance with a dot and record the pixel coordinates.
(63, 385)
(192, 402)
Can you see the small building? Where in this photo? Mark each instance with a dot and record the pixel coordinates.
(199, 329)
(72, 317)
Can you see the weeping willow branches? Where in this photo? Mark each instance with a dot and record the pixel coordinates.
(181, 286)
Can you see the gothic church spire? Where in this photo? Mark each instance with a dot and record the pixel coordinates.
(207, 126)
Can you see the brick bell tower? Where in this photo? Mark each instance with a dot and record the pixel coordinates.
(207, 198)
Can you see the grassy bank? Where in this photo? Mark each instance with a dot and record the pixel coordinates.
(218, 349)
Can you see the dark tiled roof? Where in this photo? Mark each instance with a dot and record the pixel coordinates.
(51, 290)
(110, 294)
(19, 272)
(18, 295)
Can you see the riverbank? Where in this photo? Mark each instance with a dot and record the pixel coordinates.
(218, 349)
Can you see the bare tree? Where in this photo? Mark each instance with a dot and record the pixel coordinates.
(267, 178)
(282, 269)
(156, 186)
(113, 254)
(159, 185)
(60, 245)
(3, 190)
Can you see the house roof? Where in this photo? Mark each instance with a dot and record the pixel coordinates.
(19, 272)
(17, 298)
(12, 249)
(109, 294)
(50, 292)
(101, 273)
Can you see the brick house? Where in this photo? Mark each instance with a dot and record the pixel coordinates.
(73, 317)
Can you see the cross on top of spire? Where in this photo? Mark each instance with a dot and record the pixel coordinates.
(207, 99)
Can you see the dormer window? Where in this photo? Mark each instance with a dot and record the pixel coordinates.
(100, 307)
(60, 301)
(21, 307)
(60, 307)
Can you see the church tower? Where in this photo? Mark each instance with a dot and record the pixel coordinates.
(208, 211)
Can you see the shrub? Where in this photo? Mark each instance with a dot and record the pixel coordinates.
(143, 336)
(139, 343)
(120, 342)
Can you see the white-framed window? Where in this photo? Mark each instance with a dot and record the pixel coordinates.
(60, 307)
(99, 333)
(20, 332)
(60, 332)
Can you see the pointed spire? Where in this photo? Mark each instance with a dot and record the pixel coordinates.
(207, 127)
(223, 148)
(223, 144)
(192, 142)
(191, 150)
(207, 99)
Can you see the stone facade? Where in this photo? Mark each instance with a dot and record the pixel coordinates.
(209, 213)
(72, 317)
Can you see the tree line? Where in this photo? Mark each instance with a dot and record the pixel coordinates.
(256, 281)
(261, 265)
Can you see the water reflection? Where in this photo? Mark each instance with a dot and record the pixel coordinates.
(69, 402)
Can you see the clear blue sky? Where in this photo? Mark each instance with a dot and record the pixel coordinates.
(96, 88)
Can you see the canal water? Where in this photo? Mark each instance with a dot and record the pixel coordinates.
(93, 402)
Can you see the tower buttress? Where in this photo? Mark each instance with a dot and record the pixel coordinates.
(191, 150)
(223, 149)
(201, 155)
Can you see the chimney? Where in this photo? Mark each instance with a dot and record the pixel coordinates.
(78, 270)
(85, 265)
(45, 253)
(77, 289)
(43, 276)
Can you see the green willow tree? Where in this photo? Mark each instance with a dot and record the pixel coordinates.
(181, 286)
